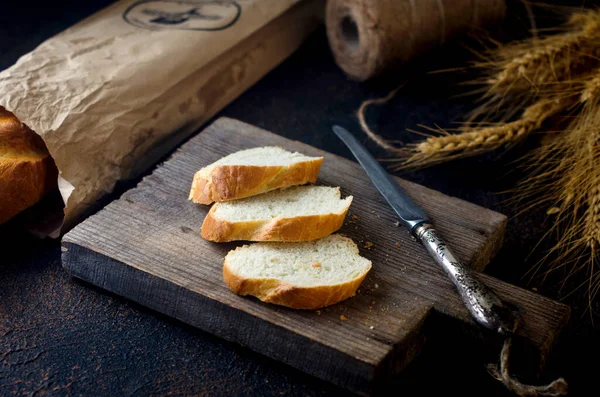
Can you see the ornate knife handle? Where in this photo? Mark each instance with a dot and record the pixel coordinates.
(483, 304)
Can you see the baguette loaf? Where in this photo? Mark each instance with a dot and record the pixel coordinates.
(306, 275)
(27, 172)
(250, 172)
(299, 213)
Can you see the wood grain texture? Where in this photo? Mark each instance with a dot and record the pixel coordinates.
(146, 247)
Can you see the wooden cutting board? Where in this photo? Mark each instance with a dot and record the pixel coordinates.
(146, 247)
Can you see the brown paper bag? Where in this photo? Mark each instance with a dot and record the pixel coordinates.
(115, 92)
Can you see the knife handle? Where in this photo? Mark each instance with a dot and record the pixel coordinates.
(485, 306)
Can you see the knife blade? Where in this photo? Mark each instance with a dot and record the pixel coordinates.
(408, 211)
(485, 306)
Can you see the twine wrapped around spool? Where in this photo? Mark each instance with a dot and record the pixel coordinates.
(369, 36)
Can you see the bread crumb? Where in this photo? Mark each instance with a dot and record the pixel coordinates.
(397, 223)
(534, 289)
(316, 265)
(343, 318)
(397, 245)
(372, 327)
(318, 312)
(373, 302)
(368, 245)
(354, 217)
(376, 285)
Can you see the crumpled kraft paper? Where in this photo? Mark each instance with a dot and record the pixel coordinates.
(115, 92)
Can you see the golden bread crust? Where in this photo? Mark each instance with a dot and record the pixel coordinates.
(281, 293)
(299, 228)
(27, 172)
(231, 182)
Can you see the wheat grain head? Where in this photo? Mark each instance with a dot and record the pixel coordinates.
(533, 65)
(440, 148)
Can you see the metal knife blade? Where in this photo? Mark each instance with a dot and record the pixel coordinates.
(408, 211)
(485, 306)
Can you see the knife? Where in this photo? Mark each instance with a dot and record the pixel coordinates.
(485, 306)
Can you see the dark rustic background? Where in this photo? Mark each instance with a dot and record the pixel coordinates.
(59, 336)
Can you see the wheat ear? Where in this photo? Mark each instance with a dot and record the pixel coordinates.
(591, 88)
(537, 63)
(436, 149)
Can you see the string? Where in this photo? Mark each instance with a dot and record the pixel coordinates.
(556, 388)
(363, 123)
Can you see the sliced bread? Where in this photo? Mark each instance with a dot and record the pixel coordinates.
(299, 213)
(306, 275)
(250, 172)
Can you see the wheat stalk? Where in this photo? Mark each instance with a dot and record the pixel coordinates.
(436, 149)
(592, 219)
(522, 73)
(478, 140)
(531, 65)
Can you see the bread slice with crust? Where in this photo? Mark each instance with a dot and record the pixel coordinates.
(253, 171)
(299, 213)
(305, 275)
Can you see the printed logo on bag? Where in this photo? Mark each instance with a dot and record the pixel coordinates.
(183, 14)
